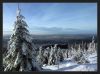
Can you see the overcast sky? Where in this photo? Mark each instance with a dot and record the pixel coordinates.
(53, 18)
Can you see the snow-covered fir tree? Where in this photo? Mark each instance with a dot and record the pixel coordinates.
(40, 59)
(92, 46)
(21, 50)
(52, 57)
(46, 55)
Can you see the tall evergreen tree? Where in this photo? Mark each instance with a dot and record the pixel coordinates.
(21, 51)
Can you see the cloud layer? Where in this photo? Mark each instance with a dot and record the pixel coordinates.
(53, 18)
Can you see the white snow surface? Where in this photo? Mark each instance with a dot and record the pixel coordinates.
(70, 65)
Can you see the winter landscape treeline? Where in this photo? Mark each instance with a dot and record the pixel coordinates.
(22, 52)
(47, 40)
(55, 52)
(52, 54)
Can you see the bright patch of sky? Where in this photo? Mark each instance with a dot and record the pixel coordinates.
(53, 18)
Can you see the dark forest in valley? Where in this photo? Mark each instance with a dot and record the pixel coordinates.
(51, 40)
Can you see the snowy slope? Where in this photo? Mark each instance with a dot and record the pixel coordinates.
(70, 65)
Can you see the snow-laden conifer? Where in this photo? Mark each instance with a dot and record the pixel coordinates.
(21, 50)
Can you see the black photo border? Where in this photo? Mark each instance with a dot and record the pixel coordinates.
(51, 1)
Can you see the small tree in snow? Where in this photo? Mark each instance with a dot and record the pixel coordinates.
(46, 55)
(52, 57)
(80, 57)
(92, 46)
(40, 57)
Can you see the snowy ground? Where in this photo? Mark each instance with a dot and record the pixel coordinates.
(69, 65)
